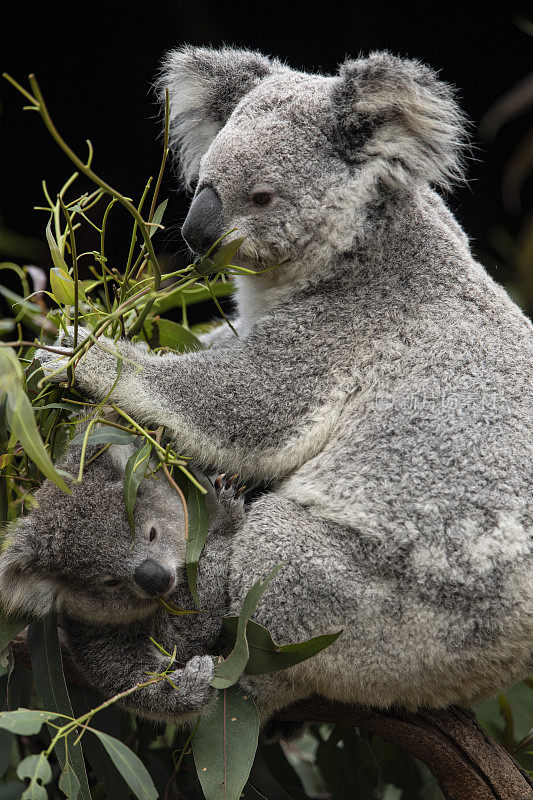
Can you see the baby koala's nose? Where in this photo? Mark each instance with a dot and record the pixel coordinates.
(154, 578)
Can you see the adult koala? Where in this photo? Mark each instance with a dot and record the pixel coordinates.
(380, 382)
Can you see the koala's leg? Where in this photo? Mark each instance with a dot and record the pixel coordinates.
(237, 405)
(115, 658)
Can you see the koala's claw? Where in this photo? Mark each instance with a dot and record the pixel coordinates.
(228, 495)
(231, 501)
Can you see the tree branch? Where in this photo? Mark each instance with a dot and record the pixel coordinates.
(467, 763)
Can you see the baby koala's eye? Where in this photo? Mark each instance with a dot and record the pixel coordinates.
(262, 198)
(111, 582)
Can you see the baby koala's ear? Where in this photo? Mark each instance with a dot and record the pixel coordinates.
(397, 119)
(204, 87)
(25, 588)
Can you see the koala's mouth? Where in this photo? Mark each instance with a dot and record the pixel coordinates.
(129, 610)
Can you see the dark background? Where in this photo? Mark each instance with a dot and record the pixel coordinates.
(95, 64)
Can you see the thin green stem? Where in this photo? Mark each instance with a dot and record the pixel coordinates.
(41, 107)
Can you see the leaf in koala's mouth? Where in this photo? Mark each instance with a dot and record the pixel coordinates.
(173, 609)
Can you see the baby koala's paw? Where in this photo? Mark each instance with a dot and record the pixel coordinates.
(230, 498)
(193, 683)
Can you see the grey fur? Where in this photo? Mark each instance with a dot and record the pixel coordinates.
(380, 383)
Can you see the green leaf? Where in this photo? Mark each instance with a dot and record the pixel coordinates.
(133, 475)
(69, 783)
(25, 721)
(158, 216)
(224, 255)
(130, 767)
(20, 419)
(191, 296)
(224, 745)
(110, 721)
(198, 527)
(38, 770)
(175, 336)
(63, 287)
(65, 406)
(47, 665)
(55, 252)
(227, 673)
(15, 299)
(105, 434)
(10, 627)
(267, 656)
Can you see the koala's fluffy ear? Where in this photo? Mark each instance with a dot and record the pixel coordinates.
(395, 117)
(204, 86)
(24, 587)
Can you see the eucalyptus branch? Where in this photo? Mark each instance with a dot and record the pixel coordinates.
(174, 485)
(39, 105)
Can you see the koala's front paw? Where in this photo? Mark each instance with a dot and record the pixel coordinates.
(230, 499)
(193, 684)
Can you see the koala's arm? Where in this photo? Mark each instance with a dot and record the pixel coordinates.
(261, 404)
(113, 659)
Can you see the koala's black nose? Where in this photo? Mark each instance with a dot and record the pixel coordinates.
(203, 224)
(153, 578)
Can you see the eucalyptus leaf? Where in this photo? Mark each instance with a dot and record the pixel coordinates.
(224, 255)
(130, 766)
(47, 665)
(133, 475)
(25, 721)
(171, 334)
(158, 216)
(20, 419)
(225, 744)
(63, 287)
(10, 626)
(15, 299)
(192, 296)
(105, 434)
(267, 656)
(230, 670)
(198, 527)
(38, 770)
(55, 252)
(69, 783)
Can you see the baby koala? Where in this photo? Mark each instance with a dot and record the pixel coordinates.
(75, 553)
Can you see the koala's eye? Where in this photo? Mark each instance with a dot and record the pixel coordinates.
(111, 582)
(262, 198)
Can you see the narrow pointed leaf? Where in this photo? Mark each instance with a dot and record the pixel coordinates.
(55, 252)
(105, 434)
(69, 783)
(47, 665)
(198, 526)
(158, 216)
(225, 744)
(133, 475)
(130, 767)
(10, 627)
(224, 255)
(267, 656)
(20, 419)
(227, 673)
